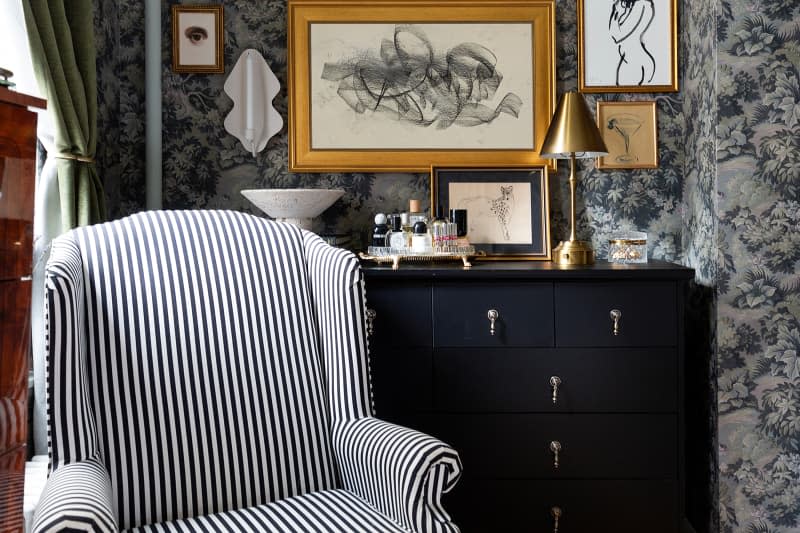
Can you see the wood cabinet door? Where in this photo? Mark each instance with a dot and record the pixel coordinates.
(15, 331)
(17, 184)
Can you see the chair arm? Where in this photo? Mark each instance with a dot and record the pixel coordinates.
(77, 496)
(401, 472)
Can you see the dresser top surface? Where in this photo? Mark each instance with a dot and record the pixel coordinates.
(21, 99)
(531, 270)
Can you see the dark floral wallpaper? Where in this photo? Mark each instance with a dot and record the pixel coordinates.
(758, 209)
(119, 36)
(699, 250)
(724, 200)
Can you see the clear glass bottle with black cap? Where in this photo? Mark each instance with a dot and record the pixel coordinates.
(396, 238)
(421, 240)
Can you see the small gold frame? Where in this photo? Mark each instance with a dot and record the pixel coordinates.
(640, 150)
(304, 157)
(203, 28)
(662, 30)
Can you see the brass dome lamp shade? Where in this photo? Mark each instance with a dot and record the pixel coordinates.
(572, 134)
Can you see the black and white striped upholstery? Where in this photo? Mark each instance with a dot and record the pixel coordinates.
(210, 368)
(327, 510)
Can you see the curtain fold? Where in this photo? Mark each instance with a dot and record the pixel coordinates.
(61, 39)
(69, 192)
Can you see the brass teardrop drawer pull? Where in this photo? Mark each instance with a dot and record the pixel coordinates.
(556, 513)
(555, 381)
(616, 316)
(555, 447)
(492, 315)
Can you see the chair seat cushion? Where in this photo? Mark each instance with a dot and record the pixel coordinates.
(328, 510)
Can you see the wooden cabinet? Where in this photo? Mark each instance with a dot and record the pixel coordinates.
(561, 388)
(17, 185)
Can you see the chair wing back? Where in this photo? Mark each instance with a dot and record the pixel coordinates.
(337, 288)
(183, 353)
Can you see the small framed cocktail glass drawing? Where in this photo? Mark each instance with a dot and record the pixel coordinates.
(630, 133)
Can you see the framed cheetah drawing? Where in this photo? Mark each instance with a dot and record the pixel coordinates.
(508, 215)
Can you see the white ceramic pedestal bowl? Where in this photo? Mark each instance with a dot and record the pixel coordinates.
(297, 206)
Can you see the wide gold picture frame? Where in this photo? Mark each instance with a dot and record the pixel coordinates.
(361, 22)
(630, 131)
(627, 46)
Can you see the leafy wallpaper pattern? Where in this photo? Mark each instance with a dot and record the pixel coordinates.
(698, 39)
(758, 316)
(119, 37)
(724, 200)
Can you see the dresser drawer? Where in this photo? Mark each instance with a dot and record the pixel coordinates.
(402, 317)
(589, 380)
(647, 314)
(630, 446)
(586, 506)
(524, 314)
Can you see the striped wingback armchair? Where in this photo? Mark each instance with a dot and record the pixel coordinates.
(208, 371)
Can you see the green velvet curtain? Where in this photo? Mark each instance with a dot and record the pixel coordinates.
(61, 39)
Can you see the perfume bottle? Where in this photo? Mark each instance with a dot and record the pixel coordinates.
(439, 231)
(415, 213)
(421, 240)
(408, 230)
(396, 238)
(380, 230)
(459, 218)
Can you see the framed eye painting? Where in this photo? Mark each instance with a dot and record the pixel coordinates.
(197, 39)
(627, 46)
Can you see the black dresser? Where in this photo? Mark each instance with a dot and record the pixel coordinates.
(561, 388)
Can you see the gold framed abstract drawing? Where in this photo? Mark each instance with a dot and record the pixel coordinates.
(507, 209)
(630, 132)
(400, 85)
(627, 46)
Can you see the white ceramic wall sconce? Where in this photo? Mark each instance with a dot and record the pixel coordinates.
(252, 86)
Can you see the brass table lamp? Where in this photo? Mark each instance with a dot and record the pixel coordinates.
(572, 134)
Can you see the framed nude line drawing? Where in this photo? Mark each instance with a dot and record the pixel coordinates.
(627, 46)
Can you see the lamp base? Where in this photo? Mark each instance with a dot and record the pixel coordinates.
(573, 253)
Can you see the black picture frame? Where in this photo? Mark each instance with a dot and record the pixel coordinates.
(506, 221)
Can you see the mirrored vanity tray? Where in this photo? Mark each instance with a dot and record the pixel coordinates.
(385, 254)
